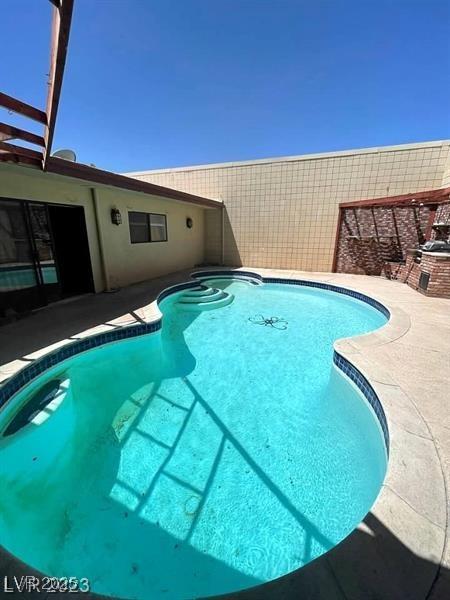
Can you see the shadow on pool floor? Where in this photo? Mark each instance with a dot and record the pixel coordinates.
(396, 574)
(364, 566)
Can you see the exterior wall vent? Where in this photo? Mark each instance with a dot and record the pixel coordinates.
(424, 280)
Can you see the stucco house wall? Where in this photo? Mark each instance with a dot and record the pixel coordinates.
(126, 263)
(282, 213)
(129, 262)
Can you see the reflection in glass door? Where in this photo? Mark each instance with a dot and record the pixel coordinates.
(43, 249)
(17, 269)
(28, 275)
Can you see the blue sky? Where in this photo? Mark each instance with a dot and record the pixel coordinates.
(161, 83)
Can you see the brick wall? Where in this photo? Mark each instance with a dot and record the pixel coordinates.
(371, 236)
(412, 272)
(442, 216)
(438, 269)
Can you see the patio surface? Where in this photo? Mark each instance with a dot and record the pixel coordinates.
(401, 549)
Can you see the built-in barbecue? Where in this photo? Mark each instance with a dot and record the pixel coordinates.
(435, 246)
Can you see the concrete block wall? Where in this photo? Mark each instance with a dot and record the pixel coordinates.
(446, 175)
(282, 213)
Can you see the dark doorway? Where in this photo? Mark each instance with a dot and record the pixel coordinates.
(44, 255)
(70, 243)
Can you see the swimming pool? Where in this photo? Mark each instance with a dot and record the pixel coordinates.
(215, 454)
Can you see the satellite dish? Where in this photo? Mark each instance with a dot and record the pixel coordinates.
(65, 154)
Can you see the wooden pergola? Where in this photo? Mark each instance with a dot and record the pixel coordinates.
(430, 198)
(14, 152)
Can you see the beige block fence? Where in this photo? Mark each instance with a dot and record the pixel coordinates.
(282, 212)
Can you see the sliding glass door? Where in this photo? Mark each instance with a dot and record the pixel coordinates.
(28, 274)
(41, 239)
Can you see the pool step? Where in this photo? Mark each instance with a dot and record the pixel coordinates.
(214, 295)
(224, 301)
(206, 298)
(198, 293)
(234, 277)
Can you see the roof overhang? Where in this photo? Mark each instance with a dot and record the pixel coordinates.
(87, 176)
(98, 176)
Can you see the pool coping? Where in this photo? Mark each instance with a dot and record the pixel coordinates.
(346, 571)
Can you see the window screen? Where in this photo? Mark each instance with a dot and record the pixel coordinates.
(158, 228)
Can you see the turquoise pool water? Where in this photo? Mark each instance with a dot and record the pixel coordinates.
(214, 455)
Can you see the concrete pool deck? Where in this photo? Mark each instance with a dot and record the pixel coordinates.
(401, 549)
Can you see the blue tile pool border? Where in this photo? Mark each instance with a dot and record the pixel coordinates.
(367, 391)
(301, 282)
(37, 367)
(17, 381)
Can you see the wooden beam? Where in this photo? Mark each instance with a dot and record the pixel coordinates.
(93, 175)
(20, 151)
(22, 108)
(21, 160)
(429, 197)
(11, 133)
(336, 240)
(62, 18)
(431, 218)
